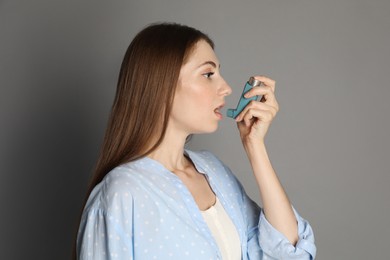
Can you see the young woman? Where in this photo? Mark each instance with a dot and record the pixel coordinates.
(150, 198)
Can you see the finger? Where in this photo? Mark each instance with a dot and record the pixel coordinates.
(268, 96)
(266, 91)
(267, 81)
(255, 105)
(262, 115)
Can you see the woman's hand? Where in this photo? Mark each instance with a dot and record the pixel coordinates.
(253, 122)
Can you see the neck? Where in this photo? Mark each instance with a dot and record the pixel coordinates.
(170, 152)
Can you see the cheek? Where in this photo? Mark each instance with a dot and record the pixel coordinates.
(191, 98)
(195, 97)
(202, 95)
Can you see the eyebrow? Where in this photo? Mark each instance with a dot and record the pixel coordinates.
(212, 63)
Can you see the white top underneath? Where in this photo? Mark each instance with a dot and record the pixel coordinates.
(224, 231)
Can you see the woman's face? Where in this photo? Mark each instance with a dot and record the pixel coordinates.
(200, 93)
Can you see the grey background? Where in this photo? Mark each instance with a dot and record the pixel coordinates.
(59, 62)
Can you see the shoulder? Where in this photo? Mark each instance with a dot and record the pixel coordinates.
(118, 187)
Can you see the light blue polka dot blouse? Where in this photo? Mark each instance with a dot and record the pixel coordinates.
(143, 211)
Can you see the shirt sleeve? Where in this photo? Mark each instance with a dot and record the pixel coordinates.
(265, 242)
(106, 232)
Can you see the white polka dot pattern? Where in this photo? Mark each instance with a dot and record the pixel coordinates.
(142, 211)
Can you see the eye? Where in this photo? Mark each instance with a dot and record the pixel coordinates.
(208, 74)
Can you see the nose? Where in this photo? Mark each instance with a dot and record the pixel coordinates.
(226, 90)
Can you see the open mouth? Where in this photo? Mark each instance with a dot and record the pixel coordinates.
(217, 111)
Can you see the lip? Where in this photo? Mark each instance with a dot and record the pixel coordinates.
(221, 106)
(217, 110)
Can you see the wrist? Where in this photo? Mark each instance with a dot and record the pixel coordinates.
(255, 150)
(254, 145)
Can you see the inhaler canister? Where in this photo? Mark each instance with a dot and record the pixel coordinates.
(243, 102)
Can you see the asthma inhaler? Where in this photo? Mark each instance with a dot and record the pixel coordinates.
(243, 102)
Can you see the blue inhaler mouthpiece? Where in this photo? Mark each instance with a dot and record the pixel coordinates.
(243, 102)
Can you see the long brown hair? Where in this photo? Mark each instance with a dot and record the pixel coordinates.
(145, 92)
(146, 87)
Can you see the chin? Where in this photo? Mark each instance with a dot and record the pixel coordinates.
(204, 127)
(208, 130)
